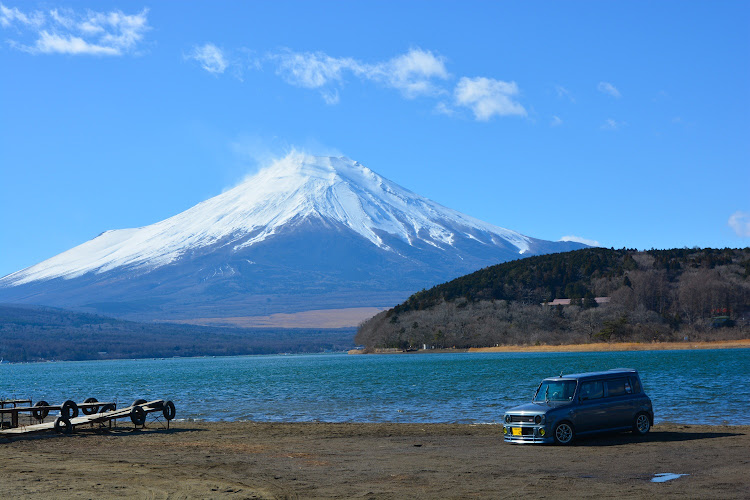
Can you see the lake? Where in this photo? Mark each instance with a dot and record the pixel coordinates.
(700, 387)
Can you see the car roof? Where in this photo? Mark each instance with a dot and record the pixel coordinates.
(608, 373)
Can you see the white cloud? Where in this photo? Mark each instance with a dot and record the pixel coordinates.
(210, 57)
(740, 223)
(311, 69)
(562, 92)
(413, 73)
(417, 72)
(556, 121)
(67, 32)
(612, 124)
(49, 43)
(442, 108)
(608, 88)
(487, 97)
(578, 239)
(9, 17)
(330, 97)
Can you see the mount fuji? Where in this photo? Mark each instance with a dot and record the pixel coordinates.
(306, 233)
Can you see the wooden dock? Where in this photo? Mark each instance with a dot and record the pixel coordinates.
(94, 413)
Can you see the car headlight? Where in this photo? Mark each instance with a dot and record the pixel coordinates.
(538, 419)
(507, 419)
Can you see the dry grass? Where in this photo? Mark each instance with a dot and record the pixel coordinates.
(618, 346)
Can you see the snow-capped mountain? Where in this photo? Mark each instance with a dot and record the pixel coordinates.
(305, 233)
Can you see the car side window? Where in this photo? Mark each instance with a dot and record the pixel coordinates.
(619, 387)
(592, 390)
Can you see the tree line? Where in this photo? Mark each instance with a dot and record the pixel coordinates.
(660, 295)
(40, 334)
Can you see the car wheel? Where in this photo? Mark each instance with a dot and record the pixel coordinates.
(642, 424)
(563, 433)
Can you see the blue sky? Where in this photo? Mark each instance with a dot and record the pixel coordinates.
(622, 123)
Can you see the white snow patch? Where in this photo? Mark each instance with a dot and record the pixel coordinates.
(294, 188)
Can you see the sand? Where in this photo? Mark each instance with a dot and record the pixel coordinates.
(323, 460)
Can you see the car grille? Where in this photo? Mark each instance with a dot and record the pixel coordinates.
(529, 419)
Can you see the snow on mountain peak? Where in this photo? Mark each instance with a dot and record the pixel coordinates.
(289, 191)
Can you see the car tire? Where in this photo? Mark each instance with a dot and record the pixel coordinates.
(641, 424)
(563, 433)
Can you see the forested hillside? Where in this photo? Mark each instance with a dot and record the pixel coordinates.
(40, 333)
(699, 294)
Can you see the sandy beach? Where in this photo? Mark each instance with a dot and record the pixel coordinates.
(324, 460)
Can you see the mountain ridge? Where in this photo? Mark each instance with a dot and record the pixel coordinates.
(302, 234)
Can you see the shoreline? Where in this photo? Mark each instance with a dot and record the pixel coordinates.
(598, 347)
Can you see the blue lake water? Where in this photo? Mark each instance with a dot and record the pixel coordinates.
(705, 386)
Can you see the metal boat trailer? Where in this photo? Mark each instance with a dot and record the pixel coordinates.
(92, 412)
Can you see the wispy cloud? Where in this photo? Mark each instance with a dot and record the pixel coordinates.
(13, 16)
(578, 239)
(210, 57)
(612, 124)
(413, 73)
(564, 93)
(311, 70)
(609, 89)
(487, 97)
(64, 31)
(740, 223)
(556, 121)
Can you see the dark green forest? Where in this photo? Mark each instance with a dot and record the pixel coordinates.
(655, 295)
(41, 333)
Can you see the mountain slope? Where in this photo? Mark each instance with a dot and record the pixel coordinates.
(305, 233)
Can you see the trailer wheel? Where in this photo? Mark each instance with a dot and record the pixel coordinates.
(139, 402)
(69, 409)
(138, 416)
(169, 410)
(63, 425)
(107, 407)
(90, 410)
(40, 413)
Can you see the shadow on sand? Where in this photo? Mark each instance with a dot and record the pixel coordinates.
(82, 432)
(652, 437)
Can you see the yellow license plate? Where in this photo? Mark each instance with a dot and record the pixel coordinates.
(516, 431)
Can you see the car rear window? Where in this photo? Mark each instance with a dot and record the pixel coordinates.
(618, 387)
(636, 385)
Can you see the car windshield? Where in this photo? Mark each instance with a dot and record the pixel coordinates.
(555, 390)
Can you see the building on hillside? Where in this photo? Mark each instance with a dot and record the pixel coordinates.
(566, 302)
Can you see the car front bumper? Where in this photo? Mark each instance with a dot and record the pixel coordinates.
(526, 434)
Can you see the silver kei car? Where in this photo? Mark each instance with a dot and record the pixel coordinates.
(583, 403)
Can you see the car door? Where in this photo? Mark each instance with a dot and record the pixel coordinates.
(620, 402)
(589, 413)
